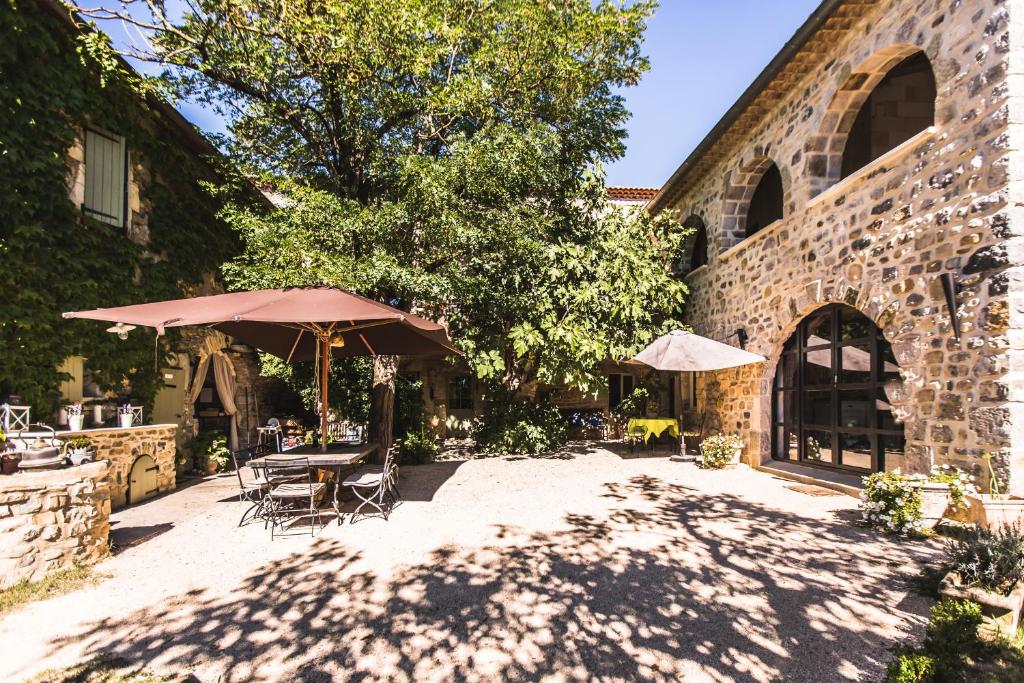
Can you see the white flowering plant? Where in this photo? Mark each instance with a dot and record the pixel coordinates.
(960, 483)
(891, 502)
(718, 450)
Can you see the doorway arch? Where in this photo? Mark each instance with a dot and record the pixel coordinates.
(829, 405)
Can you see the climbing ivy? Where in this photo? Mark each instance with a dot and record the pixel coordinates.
(52, 257)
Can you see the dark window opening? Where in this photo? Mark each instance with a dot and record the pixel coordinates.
(830, 407)
(699, 256)
(619, 387)
(901, 106)
(460, 393)
(766, 204)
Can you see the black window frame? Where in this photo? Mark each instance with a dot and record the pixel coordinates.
(789, 409)
(460, 392)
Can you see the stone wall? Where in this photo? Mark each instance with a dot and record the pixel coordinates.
(51, 520)
(880, 239)
(122, 446)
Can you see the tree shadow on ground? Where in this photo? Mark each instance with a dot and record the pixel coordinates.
(670, 583)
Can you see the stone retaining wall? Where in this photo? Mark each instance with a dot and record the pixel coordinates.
(51, 520)
(122, 446)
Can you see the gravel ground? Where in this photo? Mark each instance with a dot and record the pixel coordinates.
(565, 568)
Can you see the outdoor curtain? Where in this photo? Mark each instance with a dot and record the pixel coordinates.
(212, 350)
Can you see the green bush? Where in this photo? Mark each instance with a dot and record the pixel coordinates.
(417, 448)
(211, 446)
(990, 559)
(520, 427)
(634, 405)
(910, 667)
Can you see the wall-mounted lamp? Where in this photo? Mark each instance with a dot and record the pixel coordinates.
(741, 335)
(949, 289)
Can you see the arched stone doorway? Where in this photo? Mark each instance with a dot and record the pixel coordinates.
(829, 405)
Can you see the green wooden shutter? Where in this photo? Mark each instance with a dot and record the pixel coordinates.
(105, 167)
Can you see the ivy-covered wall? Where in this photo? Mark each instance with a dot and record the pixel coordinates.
(55, 259)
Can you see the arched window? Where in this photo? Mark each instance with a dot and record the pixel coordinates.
(898, 108)
(699, 254)
(830, 408)
(766, 203)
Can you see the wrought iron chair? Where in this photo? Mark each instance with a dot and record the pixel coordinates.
(252, 489)
(292, 484)
(376, 486)
(637, 437)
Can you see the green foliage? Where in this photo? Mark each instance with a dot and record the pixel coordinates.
(55, 583)
(633, 405)
(515, 426)
(54, 258)
(210, 447)
(910, 667)
(417, 168)
(960, 483)
(718, 450)
(951, 640)
(417, 447)
(348, 391)
(79, 442)
(891, 502)
(408, 416)
(987, 558)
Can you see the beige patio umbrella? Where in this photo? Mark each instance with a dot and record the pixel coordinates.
(680, 351)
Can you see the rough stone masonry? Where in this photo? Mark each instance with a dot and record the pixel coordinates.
(947, 201)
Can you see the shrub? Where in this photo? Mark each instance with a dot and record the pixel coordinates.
(990, 559)
(951, 636)
(520, 427)
(634, 405)
(79, 442)
(718, 450)
(417, 448)
(211, 446)
(891, 502)
(910, 667)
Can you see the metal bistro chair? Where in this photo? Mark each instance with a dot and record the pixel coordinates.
(376, 486)
(292, 483)
(636, 437)
(252, 489)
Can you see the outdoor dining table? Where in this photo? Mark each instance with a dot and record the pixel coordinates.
(655, 426)
(334, 460)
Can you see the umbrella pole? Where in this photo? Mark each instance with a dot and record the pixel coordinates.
(324, 363)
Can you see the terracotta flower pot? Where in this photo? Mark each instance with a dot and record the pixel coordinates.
(993, 511)
(935, 499)
(1001, 612)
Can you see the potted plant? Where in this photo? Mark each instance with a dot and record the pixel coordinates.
(942, 487)
(719, 451)
(995, 508)
(79, 450)
(215, 456)
(75, 417)
(9, 458)
(125, 416)
(629, 407)
(987, 567)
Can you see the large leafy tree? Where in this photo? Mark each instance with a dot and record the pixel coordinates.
(435, 155)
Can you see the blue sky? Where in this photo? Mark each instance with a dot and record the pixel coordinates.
(703, 55)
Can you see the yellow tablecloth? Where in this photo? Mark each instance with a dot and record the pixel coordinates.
(656, 426)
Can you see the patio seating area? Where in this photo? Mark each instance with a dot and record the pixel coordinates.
(581, 564)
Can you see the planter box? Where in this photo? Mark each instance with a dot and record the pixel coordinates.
(1001, 612)
(732, 462)
(992, 511)
(934, 501)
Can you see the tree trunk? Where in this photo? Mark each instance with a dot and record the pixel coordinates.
(382, 402)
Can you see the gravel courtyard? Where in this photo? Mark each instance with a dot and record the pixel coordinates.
(565, 568)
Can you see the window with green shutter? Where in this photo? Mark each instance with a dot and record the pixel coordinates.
(106, 166)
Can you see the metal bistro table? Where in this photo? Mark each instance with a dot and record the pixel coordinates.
(335, 459)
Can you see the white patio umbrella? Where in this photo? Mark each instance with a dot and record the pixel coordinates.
(681, 351)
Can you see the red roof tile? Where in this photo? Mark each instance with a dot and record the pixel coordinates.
(632, 194)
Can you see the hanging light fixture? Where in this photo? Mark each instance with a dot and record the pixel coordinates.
(121, 330)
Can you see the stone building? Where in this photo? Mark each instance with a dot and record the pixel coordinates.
(857, 221)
